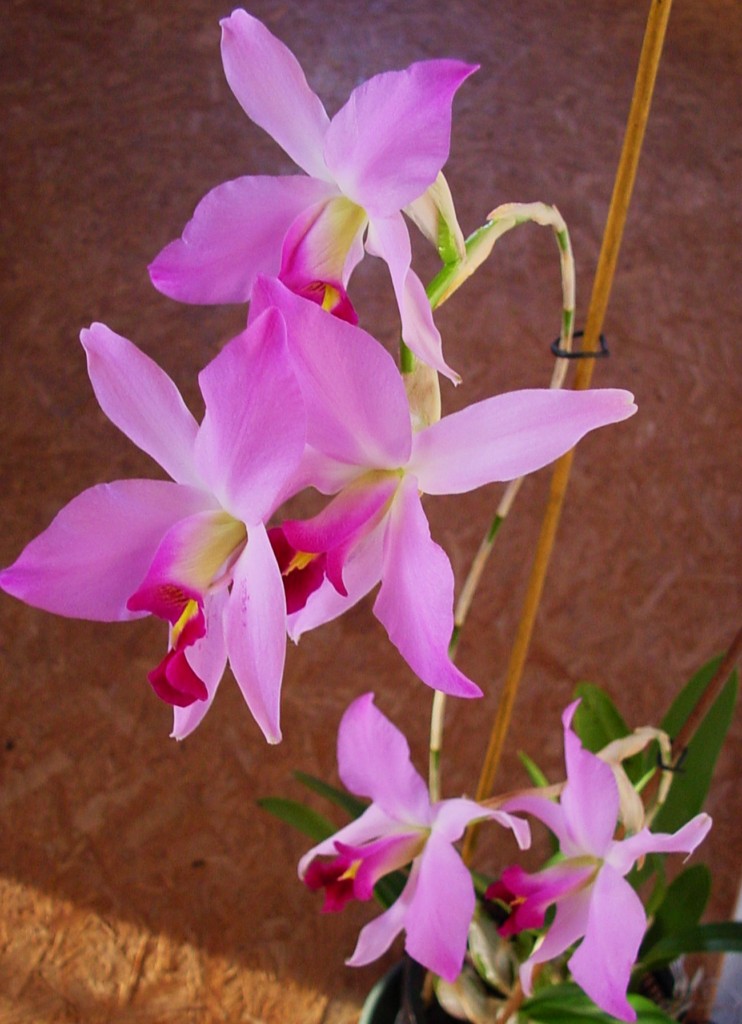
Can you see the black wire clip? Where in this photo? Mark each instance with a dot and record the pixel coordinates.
(561, 353)
(677, 766)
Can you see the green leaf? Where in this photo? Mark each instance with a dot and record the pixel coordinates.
(682, 905)
(723, 937)
(568, 1004)
(597, 720)
(300, 817)
(340, 797)
(535, 774)
(654, 871)
(693, 777)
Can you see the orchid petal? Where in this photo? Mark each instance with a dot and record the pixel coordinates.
(336, 878)
(569, 924)
(440, 911)
(589, 800)
(388, 238)
(374, 762)
(509, 435)
(392, 136)
(378, 935)
(96, 551)
(324, 473)
(255, 630)
(622, 855)
(236, 232)
(547, 811)
(142, 401)
(346, 418)
(344, 517)
(603, 961)
(374, 822)
(524, 914)
(453, 816)
(415, 602)
(252, 436)
(272, 89)
(208, 659)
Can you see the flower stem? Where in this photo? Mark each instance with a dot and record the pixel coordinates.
(625, 175)
(478, 247)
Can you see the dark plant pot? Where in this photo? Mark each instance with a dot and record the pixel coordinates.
(397, 999)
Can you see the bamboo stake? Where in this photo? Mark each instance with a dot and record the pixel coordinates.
(639, 112)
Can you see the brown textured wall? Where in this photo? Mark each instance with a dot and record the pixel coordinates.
(138, 880)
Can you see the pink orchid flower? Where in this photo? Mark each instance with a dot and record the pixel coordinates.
(362, 449)
(380, 153)
(594, 902)
(400, 827)
(193, 550)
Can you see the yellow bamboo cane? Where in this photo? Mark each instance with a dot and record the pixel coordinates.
(639, 112)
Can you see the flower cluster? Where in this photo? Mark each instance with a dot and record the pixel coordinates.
(400, 827)
(587, 885)
(304, 397)
(208, 552)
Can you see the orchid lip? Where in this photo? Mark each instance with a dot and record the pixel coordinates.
(190, 613)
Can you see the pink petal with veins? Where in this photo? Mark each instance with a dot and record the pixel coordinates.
(272, 89)
(440, 910)
(139, 398)
(392, 136)
(96, 551)
(509, 435)
(255, 631)
(374, 762)
(604, 959)
(415, 602)
(253, 433)
(347, 418)
(236, 232)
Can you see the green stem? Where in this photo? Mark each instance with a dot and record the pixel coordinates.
(406, 358)
(478, 247)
